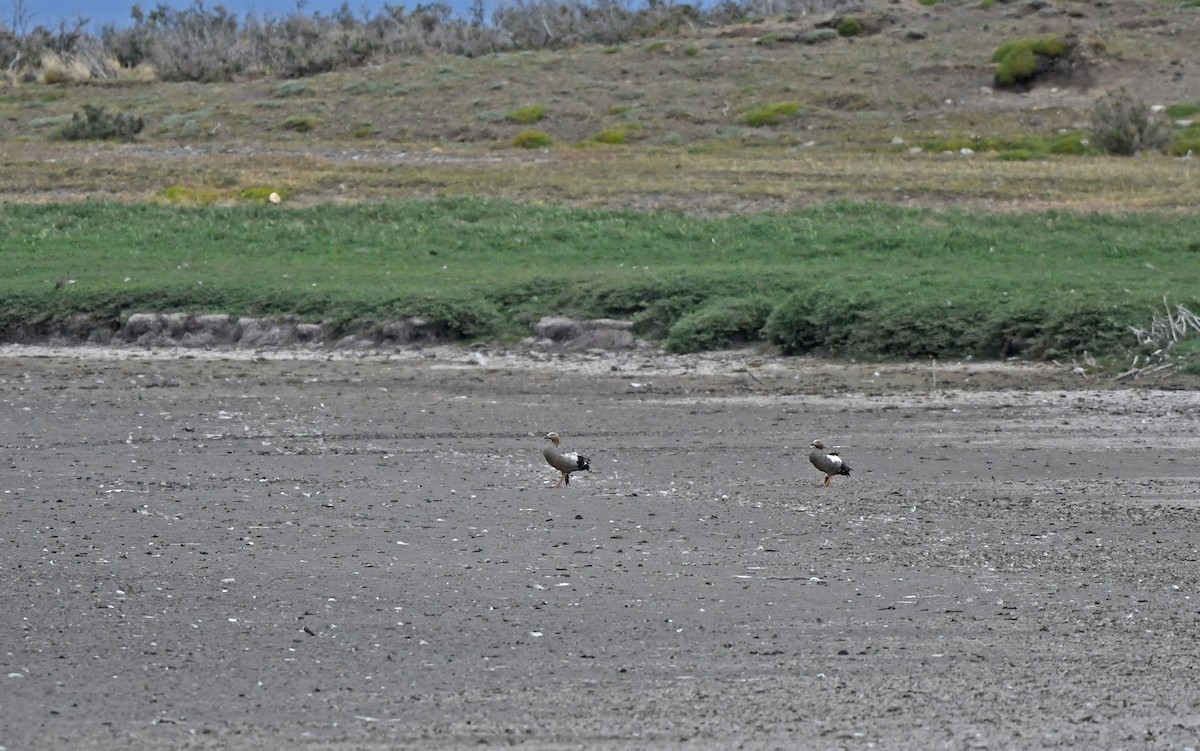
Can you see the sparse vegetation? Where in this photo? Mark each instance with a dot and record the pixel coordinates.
(181, 196)
(1172, 342)
(98, 124)
(1015, 147)
(1123, 126)
(739, 144)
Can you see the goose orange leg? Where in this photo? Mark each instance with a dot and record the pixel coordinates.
(560, 481)
(827, 479)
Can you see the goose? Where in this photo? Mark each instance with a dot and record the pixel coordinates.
(565, 462)
(827, 461)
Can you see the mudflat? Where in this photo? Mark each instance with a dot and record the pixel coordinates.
(364, 551)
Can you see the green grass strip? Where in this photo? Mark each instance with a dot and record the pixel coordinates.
(847, 279)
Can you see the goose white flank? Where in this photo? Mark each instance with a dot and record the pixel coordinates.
(827, 461)
(565, 462)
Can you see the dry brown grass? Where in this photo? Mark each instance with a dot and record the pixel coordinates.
(436, 125)
(717, 183)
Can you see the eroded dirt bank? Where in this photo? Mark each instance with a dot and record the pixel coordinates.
(242, 551)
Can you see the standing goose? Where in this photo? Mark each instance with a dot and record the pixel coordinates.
(565, 462)
(827, 461)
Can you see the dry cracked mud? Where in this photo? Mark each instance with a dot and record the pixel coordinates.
(207, 550)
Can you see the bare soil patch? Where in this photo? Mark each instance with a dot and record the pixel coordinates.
(335, 551)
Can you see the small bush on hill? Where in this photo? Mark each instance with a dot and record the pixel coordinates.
(772, 114)
(849, 27)
(532, 139)
(527, 115)
(1018, 62)
(610, 136)
(300, 123)
(1122, 125)
(97, 124)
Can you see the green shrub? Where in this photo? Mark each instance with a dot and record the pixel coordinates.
(300, 123)
(722, 323)
(1019, 61)
(816, 318)
(849, 27)
(362, 131)
(527, 115)
(691, 50)
(1018, 66)
(1122, 125)
(532, 139)
(97, 124)
(610, 136)
(772, 114)
(1051, 45)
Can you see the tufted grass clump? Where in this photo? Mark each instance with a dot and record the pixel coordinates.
(771, 114)
(527, 115)
(532, 139)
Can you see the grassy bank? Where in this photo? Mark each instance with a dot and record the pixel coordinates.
(845, 279)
